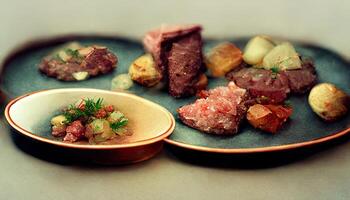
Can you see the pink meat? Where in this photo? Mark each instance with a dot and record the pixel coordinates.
(220, 112)
(74, 131)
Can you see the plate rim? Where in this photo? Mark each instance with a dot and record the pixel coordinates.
(259, 149)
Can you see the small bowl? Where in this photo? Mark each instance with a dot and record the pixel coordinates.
(150, 123)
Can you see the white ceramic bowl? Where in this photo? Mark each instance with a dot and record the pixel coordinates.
(149, 122)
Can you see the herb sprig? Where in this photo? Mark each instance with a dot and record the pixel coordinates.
(73, 53)
(120, 124)
(90, 107)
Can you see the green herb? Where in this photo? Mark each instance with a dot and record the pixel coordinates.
(73, 53)
(58, 57)
(275, 70)
(90, 108)
(287, 103)
(117, 125)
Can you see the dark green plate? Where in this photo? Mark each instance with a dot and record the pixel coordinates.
(20, 75)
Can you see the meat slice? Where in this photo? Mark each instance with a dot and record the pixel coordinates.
(261, 83)
(158, 42)
(177, 51)
(184, 62)
(302, 80)
(219, 112)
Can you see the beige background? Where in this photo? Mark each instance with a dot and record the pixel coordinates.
(322, 176)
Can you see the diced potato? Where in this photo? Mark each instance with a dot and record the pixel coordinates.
(115, 116)
(256, 49)
(283, 56)
(223, 58)
(80, 76)
(102, 127)
(64, 56)
(121, 82)
(328, 101)
(58, 120)
(143, 71)
(85, 51)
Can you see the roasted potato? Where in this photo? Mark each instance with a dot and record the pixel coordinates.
(223, 58)
(328, 101)
(269, 118)
(256, 49)
(143, 71)
(282, 56)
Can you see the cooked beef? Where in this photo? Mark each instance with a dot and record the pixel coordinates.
(98, 61)
(184, 62)
(302, 80)
(177, 51)
(261, 83)
(74, 131)
(270, 87)
(220, 111)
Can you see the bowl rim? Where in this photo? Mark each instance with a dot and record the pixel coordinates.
(32, 135)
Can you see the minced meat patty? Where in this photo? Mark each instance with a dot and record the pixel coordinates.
(78, 63)
(219, 111)
(274, 87)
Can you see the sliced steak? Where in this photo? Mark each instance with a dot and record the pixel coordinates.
(184, 62)
(177, 51)
(261, 83)
(302, 80)
(220, 111)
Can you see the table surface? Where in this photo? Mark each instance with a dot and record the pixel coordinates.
(321, 175)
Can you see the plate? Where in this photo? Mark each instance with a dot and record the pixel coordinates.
(20, 75)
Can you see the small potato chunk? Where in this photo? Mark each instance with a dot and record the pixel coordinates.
(80, 76)
(143, 71)
(256, 49)
(223, 58)
(121, 82)
(283, 56)
(328, 101)
(269, 118)
(58, 120)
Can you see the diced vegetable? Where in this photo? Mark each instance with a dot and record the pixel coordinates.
(328, 101)
(80, 76)
(282, 56)
(269, 118)
(143, 71)
(121, 82)
(256, 49)
(85, 51)
(115, 116)
(58, 120)
(223, 58)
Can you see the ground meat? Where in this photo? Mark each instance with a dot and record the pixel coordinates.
(274, 87)
(302, 80)
(74, 131)
(177, 51)
(220, 111)
(59, 131)
(262, 83)
(99, 61)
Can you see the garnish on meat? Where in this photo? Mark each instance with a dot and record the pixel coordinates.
(74, 62)
(269, 118)
(218, 111)
(177, 52)
(90, 120)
